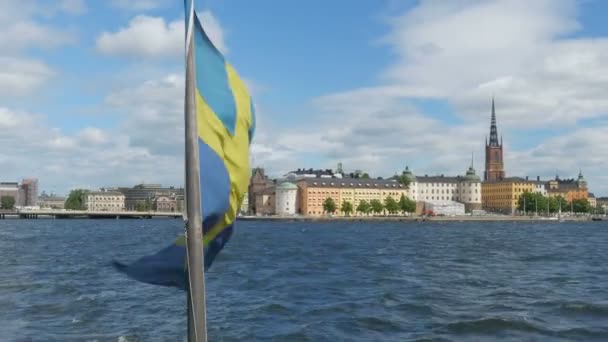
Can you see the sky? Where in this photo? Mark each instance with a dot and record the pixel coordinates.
(91, 92)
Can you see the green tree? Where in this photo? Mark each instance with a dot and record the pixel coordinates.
(391, 205)
(581, 206)
(75, 200)
(365, 175)
(407, 205)
(532, 201)
(376, 206)
(329, 206)
(347, 208)
(364, 207)
(404, 180)
(7, 202)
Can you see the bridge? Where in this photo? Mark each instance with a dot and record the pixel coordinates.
(65, 214)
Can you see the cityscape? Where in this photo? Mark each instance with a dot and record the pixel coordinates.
(313, 193)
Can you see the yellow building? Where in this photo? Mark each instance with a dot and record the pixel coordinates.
(503, 195)
(314, 191)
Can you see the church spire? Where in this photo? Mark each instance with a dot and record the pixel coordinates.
(493, 129)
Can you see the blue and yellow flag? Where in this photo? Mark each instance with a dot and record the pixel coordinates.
(225, 124)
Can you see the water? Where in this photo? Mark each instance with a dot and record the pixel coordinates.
(280, 281)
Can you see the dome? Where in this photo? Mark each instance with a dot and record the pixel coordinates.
(287, 186)
(409, 175)
(471, 176)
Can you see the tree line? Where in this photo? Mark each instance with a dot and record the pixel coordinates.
(390, 205)
(535, 202)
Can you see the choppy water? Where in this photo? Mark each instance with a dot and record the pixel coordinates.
(313, 282)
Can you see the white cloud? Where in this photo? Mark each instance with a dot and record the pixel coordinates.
(20, 76)
(463, 53)
(138, 5)
(152, 37)
(91, 157)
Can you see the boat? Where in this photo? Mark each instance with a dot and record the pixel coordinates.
(597, 219)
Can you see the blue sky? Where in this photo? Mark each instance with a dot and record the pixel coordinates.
(91, 91)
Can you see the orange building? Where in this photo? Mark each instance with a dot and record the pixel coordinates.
(570, 189)
(314, 191)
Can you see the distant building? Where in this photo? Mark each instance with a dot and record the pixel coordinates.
(503, 195)
(265, 202)
(314, 191)
(29, 188)
(310, 173)
(146, 194)
(51, 201)
(592, 200)
(570, 189)
(463, 189)
(286, 195)
(165, 203)
(10, 189)
(104, 201)
(258, 184)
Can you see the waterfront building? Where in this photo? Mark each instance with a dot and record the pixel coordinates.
(52, 201)
(144, 195)
(495, 167)
(104, 201)
(503, 195)
(570, 189)
(265, 202)
(314, 191)
(540, 187)
(259, 186)
(286, 195)
(459, 189)
(10, 189)
(166, 203)
(29, 192)
(592, 200)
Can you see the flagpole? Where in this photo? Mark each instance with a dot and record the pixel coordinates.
(197, 320)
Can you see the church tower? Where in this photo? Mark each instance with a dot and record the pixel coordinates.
(495, 167)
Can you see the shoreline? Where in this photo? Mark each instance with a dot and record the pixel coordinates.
(413, 219)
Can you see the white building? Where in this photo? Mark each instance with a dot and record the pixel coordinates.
(285, 199)
(104, 201)
(464, 189)
(447, 208)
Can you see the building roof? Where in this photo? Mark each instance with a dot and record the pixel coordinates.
(351, 183)
(107, 193)
(287, 186)
(591, 195)
(511, 180)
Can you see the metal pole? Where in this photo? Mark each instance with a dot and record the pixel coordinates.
(197, 320)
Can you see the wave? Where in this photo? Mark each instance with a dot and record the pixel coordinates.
(493, 325)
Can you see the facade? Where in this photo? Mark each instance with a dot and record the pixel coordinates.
(495, 167)
(601, 202)
(144, 194)
(314, 191)
(503, 195)
(51, 201)
(570, 189)
(286, 195)
(10, 189)
(104, 201)
(265, 202)
(463, 189)
(29, 188)
(258, 184)
(540, 187)
(592, 200)
(166, 203)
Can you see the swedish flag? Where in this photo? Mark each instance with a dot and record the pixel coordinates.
(225, 125)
